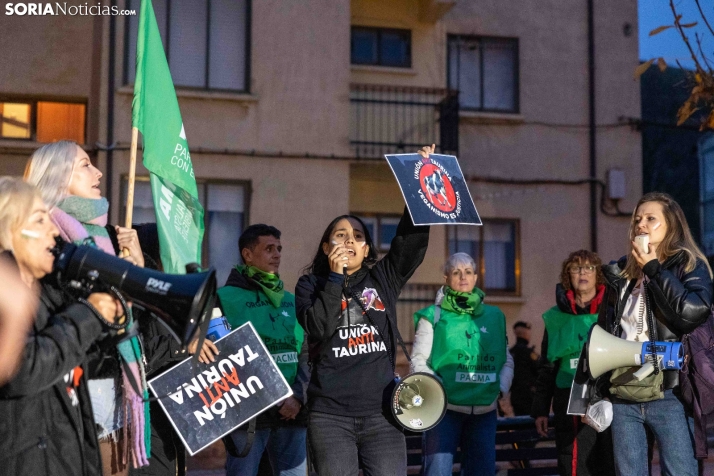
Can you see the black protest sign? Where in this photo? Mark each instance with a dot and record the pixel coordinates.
(434, 189)
(208, 401)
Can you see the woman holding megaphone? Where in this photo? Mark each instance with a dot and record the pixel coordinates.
(463, 342)
(45, 409)
(660, 291)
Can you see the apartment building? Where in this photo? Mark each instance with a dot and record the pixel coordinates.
(288, 107)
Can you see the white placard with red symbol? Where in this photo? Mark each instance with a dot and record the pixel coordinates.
(434, 189)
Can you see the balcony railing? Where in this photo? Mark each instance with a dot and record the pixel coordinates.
(397, 119)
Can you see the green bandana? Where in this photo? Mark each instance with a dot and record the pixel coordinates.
(460, 302)
(270, 283)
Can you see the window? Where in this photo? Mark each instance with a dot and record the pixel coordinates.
(382, 228)
(494, 248)
(42, 121)
(225, 218)
(485, 72)
(207, 42)
(381, 47)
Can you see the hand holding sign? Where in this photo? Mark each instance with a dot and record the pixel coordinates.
(434, 188)
(427, 151)
(208, 351)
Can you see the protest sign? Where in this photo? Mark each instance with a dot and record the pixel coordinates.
(434, 189)
(208, 401)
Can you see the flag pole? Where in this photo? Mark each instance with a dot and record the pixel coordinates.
(130, 189)
(132, 177)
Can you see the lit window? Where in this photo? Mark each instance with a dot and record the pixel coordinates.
(43, 121)
(494, 248)
(224, 219)
(381, 47)
(59, 121)
(207, 45)
(15, 120)
(485, 72)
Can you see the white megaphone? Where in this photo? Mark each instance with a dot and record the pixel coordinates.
(606, 352)
(418, 401)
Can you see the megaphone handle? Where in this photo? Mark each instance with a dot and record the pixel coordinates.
(644, 372)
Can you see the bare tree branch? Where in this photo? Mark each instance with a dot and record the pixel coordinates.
(701, 12)
(701, 52)
(677, 24)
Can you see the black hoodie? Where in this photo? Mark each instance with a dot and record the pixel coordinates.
(351, 352)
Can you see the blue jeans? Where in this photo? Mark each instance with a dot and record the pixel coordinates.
(671, 426)
(476, 434)
(340, 444)
(286, 448)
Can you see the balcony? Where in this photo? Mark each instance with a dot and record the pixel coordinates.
(398, 119)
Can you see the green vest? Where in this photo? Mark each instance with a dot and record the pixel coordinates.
(468, 353)
(567, 333)
(277, 327)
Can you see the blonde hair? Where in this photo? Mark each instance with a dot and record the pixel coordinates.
(49, 169)
(678, 238)
(16, 200)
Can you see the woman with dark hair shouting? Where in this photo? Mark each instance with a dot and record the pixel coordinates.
(347, 305)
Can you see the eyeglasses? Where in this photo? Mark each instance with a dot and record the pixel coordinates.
(581, 269)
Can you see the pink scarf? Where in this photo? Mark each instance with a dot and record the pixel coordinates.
(73, 231)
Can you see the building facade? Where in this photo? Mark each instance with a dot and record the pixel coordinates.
(288, 107)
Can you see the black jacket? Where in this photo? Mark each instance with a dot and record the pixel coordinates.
(271, 418)
(354, 385)
(680, 302)
(525, 371)
(43, 433)
(161, 352)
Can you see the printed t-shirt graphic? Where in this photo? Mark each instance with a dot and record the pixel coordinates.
(355, 334)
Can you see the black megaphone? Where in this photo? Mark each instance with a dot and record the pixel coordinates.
(181, 301)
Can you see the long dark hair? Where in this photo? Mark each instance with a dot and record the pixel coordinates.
(320, 266)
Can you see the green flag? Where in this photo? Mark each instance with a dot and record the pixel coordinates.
(155, 112)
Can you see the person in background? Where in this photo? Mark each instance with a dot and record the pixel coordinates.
(255, 293)
(463, 341)
(578, 296)
(525, 369)
(46, 416)
(70, 186)
(162, 351)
